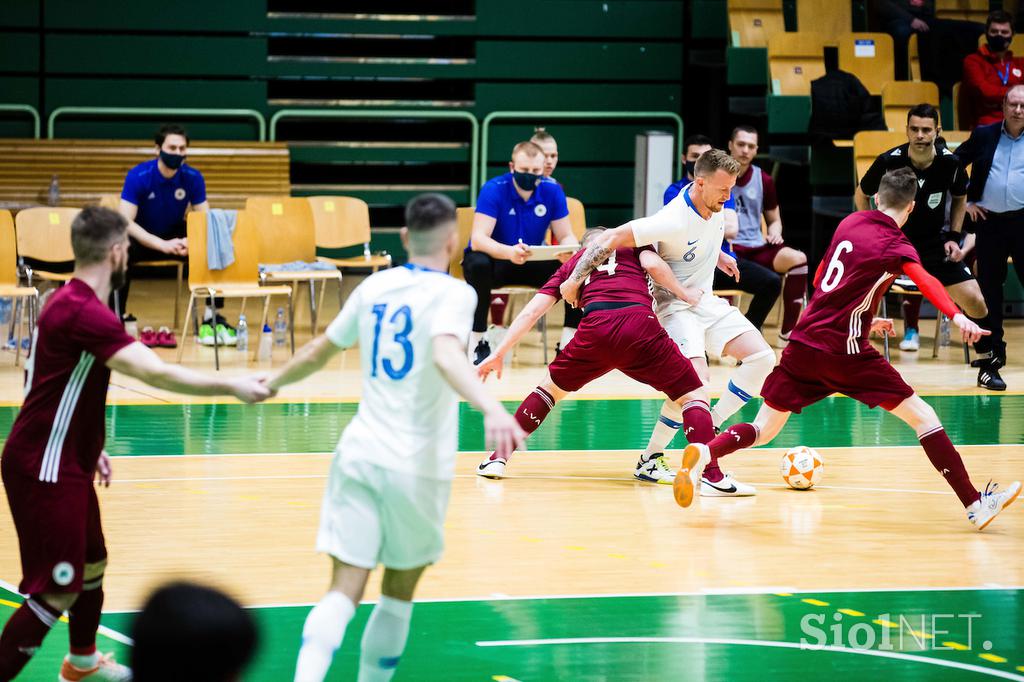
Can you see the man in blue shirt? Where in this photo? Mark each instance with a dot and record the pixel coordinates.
(156, 196)
(762, 283)
(513, 212)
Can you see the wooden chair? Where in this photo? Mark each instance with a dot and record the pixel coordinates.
(828, 17)
(577, 217)
(902, 291)
(285, 232)
(956, 105)
(464, 221)
(239, 280)
(752, 22)
(868, 144)
(113, 202)
(868, 56)
(898, 97)
(9, 284)
(964, 10)
(913, 58)
(44, 234)
(344, 222)
(794, 60)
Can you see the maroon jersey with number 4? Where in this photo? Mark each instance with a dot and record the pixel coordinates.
(60, 430)
(620, 279)
(866, 254)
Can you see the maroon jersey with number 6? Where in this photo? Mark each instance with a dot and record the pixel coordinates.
(866, 254)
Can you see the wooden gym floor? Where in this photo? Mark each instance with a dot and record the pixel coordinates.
(569, 569)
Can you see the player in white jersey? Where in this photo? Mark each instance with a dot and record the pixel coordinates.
(688, 232)
(387, 491)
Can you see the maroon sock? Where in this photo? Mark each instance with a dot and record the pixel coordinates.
(946, 460)
(23, 634)
(532, 411)
(793, 297)
(699, 428)
(498, 305)
(84, 620)
(911, 312)
(736, 437)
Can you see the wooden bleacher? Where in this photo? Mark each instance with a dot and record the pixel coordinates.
(87, 169)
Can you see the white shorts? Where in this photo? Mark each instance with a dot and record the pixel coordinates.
(708, 326)
(372, 515)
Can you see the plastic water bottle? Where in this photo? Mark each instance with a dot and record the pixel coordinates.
(242, 334)
(266, 344)
(5, 311)
(131, 326)
(944, 331)
(280, 328)
(53, 196)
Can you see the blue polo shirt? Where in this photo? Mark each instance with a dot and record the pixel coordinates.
(518, 219)
(163, 201)
(673, 190)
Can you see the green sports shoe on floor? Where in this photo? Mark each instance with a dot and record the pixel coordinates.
(226, 335)
(206, 335)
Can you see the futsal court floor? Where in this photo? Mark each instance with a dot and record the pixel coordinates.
(569, 569)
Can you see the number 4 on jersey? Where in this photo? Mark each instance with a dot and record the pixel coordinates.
(608, 267)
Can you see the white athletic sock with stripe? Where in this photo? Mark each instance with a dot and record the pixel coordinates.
(322, 635)
(384, 639)
(669, 423)
(745, 382)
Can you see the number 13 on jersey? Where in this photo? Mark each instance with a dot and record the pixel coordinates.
(400, 323)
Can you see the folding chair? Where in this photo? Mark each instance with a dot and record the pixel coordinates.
(9, 285)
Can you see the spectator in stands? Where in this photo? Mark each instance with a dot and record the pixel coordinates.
(216, 636)
(995, 203)
(546, 141)
(156, 196)
(514, 212)
(755, 196)
(940, 176)
(942, 43)
(989, 73)
(763, 283)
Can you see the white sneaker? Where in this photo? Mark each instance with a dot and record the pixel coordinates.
(991, 503)
(727, 487)
(695, 457)
(911, 341)
(106, 670)
(654, 469)
(491, 468)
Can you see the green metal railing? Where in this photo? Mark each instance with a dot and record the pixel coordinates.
(582, 115)
(25, 109)
(161, 112)
(474, 143)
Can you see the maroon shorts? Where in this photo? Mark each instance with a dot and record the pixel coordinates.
(806, 375)
(763, 255)
(630, 340)
(59, 531)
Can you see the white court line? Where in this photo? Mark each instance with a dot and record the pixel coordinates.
(982, 670)
(103, 629)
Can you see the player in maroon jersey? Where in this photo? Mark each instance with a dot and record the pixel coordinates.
(55, 450)
(619, 331)
(829, 350)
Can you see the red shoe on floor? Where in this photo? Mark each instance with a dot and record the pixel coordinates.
(148, 337)
(165, 338)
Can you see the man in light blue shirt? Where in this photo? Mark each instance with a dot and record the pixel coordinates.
(995, 203)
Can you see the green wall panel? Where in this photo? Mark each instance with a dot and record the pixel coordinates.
(19, 13)
(19, 90)
(576, 97)
(709, 19)
(186, 16)
(590, 18)
(577, 142)
(138, 92)
(156, 55)
(580, 60)
(19, 52)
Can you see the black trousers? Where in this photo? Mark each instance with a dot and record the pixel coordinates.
(1000, 236)
(484, 273)
(765, 285)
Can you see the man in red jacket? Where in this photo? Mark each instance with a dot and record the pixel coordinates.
(989, 73)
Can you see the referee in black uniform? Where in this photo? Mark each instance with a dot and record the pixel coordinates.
(940, 175)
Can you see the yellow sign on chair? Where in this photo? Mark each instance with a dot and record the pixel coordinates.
(54, 218)
(328, 207)
(276, 209)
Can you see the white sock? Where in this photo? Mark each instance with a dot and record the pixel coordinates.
(665, 430)
(322, 635)
(745, 382)
(384, 639)
(84, 662)
(207, 314)
(474, 338)
(567, 334)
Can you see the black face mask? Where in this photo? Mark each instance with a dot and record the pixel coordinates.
(690, 167)
(172, 161)
(997, 43)
(526, 181)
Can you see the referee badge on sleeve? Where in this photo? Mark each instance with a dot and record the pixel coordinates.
(934, 199)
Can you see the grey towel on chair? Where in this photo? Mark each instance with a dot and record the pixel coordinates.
(296, 266)
(220, 226)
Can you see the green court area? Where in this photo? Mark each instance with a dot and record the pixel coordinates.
(901, 635)
(572, 425)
